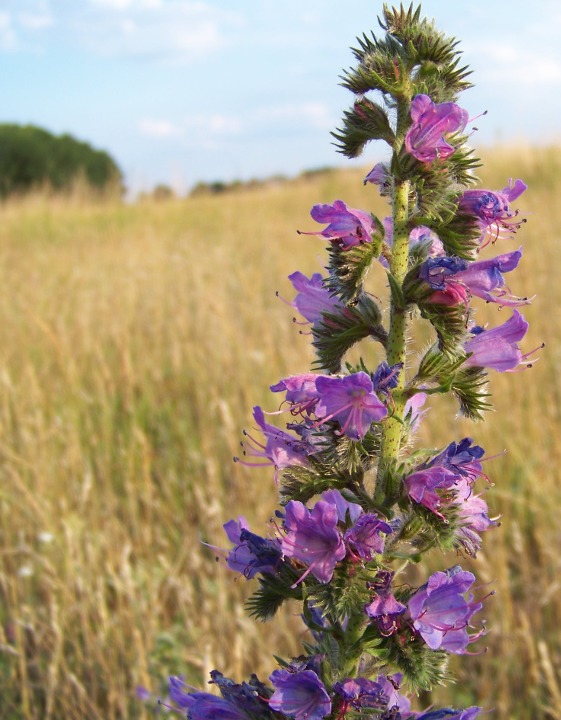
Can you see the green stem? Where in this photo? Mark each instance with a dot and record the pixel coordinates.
(397, 337)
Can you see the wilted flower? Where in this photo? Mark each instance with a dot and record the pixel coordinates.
(491, 208)
(413, 411)
(441, 612)
(300, 695)
(431, 123)
(312, 537)
(346, 227)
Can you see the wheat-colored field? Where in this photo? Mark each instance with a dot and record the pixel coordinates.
(134, 340)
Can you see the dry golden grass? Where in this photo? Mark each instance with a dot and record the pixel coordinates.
(134, 341)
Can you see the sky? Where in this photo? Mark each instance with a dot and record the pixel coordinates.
(181, 91)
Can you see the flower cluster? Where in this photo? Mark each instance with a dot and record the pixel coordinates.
(357, 503)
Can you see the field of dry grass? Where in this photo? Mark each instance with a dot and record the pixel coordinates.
(134, 340)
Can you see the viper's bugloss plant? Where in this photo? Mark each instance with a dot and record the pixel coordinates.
(357, 502)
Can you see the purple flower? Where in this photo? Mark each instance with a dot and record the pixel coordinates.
(462, 458)
(365, 539)
(351, 401)
(441, 612)
(497, 348)
(300, 695)
(447, 482)
(379, 694)
(203, 705)
(346, 227)
(449, 714)
(312, 298)
(431, 122)
(473, 516)
(345, 510)
(455, 280)
(413, 410)
(301, 391)
(384, 607)
(379, 175)
(423, 234)
(484, 278)
(312, 537)
(251, 553)
(386, 378)
(420, 234)
(280, 450)
(238, 702)
(440, 273)
(427, 485)
(491, 208)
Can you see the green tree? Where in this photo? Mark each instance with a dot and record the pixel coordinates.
(31, 157)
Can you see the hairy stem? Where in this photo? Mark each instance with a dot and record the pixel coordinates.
(396, 346)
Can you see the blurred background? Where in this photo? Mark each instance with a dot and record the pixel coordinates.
(180, 92)
(139, 325)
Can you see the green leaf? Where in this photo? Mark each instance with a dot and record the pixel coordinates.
(470, 388)
(348, 267)
(300, 483)
(396, 289)
(338, 331)
(366, 121)
(449, 322)
(345, 595)
(422, 668)
(272, 592)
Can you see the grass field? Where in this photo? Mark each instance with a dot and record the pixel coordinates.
(134, 340)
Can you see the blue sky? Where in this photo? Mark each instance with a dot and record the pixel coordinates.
(180, 91)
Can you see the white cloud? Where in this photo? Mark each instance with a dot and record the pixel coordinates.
(312, 114)
(177, 30)
(127, 4)
(513, 65)
(8, 40)
(36, 20)
(157, 128)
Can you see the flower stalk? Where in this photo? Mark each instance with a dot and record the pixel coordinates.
(356, 503)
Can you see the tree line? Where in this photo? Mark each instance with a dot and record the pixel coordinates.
(32, 158)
